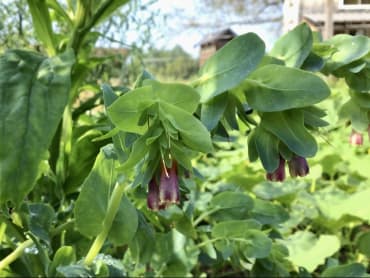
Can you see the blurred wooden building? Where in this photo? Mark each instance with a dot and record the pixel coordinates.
(213, 42)
(330, 17)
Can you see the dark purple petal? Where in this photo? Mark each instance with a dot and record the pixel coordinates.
(298, 166)
(153, 196)
(356, 138)
(169, 192)
(279, 173)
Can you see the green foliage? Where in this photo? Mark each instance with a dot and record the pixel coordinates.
(74, 191)
(34, 92)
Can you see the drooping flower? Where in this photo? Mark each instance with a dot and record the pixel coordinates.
(169, 192)
(356, 138)
(298, 166)
(153, 196)
(279, 173)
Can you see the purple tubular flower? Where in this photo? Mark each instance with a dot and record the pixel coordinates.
(169, 192)
(153, 196)
(356, 138)
(279, 173)
(298, 166)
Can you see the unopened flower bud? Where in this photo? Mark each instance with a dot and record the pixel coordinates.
(298, 166)
(279, 173)
(356, 138)
(169, 192)
(153, 196)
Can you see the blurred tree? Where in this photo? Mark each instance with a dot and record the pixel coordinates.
(174, 64)
(15, 25)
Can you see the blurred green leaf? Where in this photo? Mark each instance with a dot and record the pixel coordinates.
(92, 203)
(288, 127)
(349, 48)
(232, 205)
(294, 46)
(277, 88)
(230, 65)
(309, 251)
(33, 93)
(347, 270)
(266, 212)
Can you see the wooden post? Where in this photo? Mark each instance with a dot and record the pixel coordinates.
(329, 23)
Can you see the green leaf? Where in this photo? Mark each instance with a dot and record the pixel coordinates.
(312, 117)
(126, 111)
(42, 24)
(357, 115)
(363, 243)
(92, 203)
(177, 94)
(241, 237)
(33, 93)
(106, 9)
(234, 228)
(138, 245)
(65, 255)
(294, 47)
(266, 212)
(109, 95)
(276, 88)
(359, 81)
(125, 223)
(349, 49)
(41, 217)
(129, 110)
(267, 146)
(193, 133)
(306, 250)
(213, 110)
(347, 270)
(230, 65)
(232, 205)
(252, 148)
(288, 127)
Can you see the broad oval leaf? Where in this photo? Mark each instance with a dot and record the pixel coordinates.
(33, 93)
(306, 250)
(276, 88)
(288, 126)
(294, 46)
(230, 65)
(349, 48)
(193, 133)
(125, 112)
(267, 212)
(92, 203)
(232, 205)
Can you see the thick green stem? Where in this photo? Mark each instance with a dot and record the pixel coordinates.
(113, 206)
(15, 254)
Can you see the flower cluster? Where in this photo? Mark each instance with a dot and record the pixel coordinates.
(167, 192)
(298, 166)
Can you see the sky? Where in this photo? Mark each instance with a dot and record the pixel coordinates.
(189, 38)
(171, 32)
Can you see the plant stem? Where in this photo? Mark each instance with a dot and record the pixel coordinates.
(113, 206)
(204, 215)
(15, 254)
(60, 228)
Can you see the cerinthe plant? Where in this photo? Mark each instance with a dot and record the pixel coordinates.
(120, 193)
